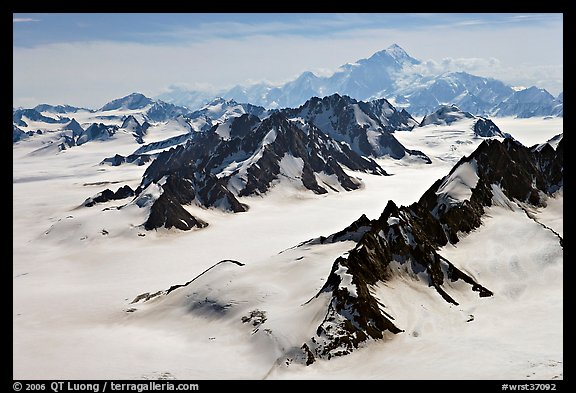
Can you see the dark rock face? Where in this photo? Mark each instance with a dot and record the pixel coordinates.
(124, 192)
(486, 128)
(365, 126)
(75, 127)
(168, 213)
(116, 160)
(137, 159)
(67, 141)
(96, 132)
(18, 134)
(173, 141)
(108, 195)
(409, 237)
(354, 232)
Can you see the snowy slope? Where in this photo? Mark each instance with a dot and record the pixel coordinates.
(222, 294)
(73, 286)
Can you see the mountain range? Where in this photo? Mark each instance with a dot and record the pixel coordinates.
(395, 75)
(358, 301)
(226, 150)
(295, 232)
(310, 147)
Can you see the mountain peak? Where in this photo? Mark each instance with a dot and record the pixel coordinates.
(131, 101)
(397, 50)
(307, 75)
(395, 53)
(445, 115)
(220, 101)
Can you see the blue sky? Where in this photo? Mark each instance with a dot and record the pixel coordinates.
(89, 59)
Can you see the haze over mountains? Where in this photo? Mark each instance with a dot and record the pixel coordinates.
(395, 75)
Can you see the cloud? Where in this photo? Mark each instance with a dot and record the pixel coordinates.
(549, 77)
(448, 64)
(22, 20)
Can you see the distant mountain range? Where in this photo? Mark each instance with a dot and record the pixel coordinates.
(392, 74)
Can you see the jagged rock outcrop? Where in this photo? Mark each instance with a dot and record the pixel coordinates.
(130, 124)
(109, 195)
(137, 159)
(486, 128)
(76, 129)
(166, 212)
(408, 238)
(97, 131)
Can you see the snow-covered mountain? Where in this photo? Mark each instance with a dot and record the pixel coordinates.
(131, 101)
(23, 117)
(18, 134)
(58, 108)
(240, 157)
(130, 124)
(446, 115)
(219, 110)
(531, 102)
(471, 93)
(366, 245)
(396, 268)
(226, 150)
(365, 126)
(392, 74)
(309, 147)
(153, 110)
(190, 98)
(145, 118)
(250, 315)
(405, 240)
